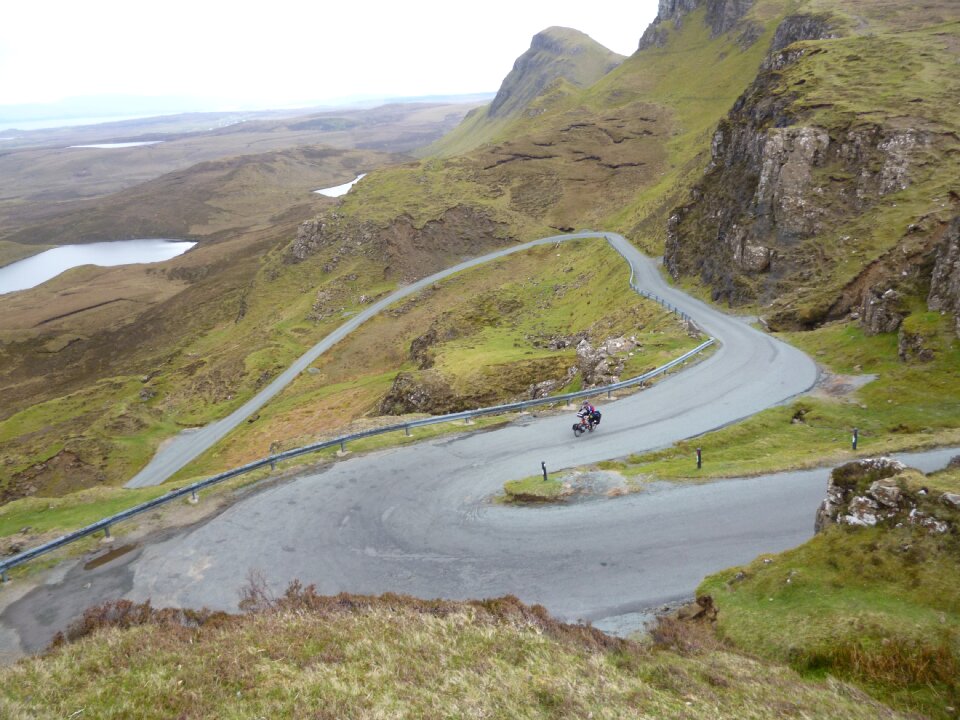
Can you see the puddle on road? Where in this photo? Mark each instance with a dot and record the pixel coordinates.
(108, 556)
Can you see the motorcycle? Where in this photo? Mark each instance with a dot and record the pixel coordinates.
(586, 424)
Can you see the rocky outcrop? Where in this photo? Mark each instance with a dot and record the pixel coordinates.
(913, 346)
(879, 490)
(882, 312)
(792, 29)
(425, 392)
(945, 281)
(721, 15)
(604, 364)
(773, 182)
(674, 9)
(702, 609)
(766, 191)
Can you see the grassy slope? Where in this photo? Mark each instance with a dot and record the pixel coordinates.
(490, 316)
(878, 606)
(909, 405)
(368, 658)
(655, 112)
(212, 372)
(578, 286)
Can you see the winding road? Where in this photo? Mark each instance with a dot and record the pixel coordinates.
(418, 519)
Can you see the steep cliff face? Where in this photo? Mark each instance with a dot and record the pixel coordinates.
(756, 186)
(721, 16)
(945, 279)
(787, 178)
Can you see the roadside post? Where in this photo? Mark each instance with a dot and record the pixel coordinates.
(699, 459)
(543, 464)
(853, 440)
(274, 449)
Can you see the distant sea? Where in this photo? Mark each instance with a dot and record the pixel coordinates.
(7, 126)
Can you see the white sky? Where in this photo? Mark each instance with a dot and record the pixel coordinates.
(284, 52)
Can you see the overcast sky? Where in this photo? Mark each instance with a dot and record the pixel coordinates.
(284, 52)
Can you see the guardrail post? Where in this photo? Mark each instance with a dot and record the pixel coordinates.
(543, 464)
(4, 577)
(699, 459)
(853, 440)
(406, 429)
(193, 498)
(106, 531)
(609, 394)
(343, 446)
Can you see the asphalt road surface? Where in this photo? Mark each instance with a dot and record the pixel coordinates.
(419, 520)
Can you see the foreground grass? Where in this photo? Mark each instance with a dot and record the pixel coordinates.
(877, 606)
(356, 657)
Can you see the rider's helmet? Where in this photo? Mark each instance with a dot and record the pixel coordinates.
(585, 405)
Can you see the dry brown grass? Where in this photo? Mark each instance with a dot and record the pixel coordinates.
(348, 656)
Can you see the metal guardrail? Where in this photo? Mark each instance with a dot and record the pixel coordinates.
(272, 460)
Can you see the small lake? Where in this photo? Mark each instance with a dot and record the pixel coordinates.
(110, 146)
(339, 190)
(37, 269)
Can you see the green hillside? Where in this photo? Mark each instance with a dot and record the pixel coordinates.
(658, 147)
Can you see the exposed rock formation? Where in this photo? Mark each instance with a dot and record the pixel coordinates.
(702, 609)
(912, 346)
(773, 183)
(945, 281)
(794, 29)
(867, 492)
(721, 16)
(425, 392)
(881, 312)
(601, 366)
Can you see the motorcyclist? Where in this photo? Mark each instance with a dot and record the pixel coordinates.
(588, 414)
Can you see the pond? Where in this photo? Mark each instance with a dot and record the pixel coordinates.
(339, 190)
(34, 270)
